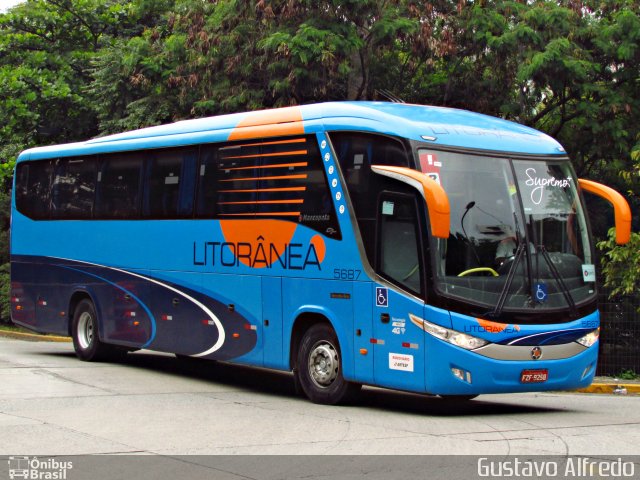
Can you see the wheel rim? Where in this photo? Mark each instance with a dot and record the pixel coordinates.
(324, 364)
(85, 330)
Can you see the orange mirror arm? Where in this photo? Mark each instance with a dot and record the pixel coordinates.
(431, 191)
(621, 208)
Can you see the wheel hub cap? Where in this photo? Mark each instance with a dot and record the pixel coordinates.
(323, 364)
(85, 330)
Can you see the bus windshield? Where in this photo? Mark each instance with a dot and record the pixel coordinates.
(518, 237)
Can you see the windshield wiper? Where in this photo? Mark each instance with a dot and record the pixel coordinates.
(558, 278)
(496, 312)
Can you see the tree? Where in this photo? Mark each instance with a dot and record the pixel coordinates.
(621, 264)
(46, 53)
(74, 69)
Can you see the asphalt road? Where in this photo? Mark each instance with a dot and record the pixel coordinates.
(53, 404)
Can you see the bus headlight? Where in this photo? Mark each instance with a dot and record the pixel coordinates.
(466, 341)
(459, 339)
(590, 338)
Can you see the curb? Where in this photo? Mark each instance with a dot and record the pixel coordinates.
(33, 337)
(610, 388)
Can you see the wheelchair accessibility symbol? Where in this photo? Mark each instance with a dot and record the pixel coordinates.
(382, 297)
(541, 292)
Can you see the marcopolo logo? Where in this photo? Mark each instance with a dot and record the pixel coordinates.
(37, 469)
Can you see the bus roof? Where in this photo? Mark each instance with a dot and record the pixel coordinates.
(437, 125)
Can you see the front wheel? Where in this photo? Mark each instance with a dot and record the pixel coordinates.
(319, 368)
(84, 329)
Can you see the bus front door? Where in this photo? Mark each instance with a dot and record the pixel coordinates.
(398, 344)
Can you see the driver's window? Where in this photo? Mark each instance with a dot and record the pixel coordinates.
(399, 256)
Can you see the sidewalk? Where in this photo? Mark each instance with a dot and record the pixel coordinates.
(33, 337)
(612, 385)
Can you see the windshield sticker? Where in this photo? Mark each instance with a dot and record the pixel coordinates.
(387, 208)
(430, 165)
(435, 177)
(589, 273)
(541, 292)
(539, 183)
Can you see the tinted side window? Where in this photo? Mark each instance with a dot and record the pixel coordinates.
(399, 255)
(72, 192)
(33, 188)
(119, 187)
(276, 178)
(229, 180)
(356, 153)
(170, 184)
(293, 185)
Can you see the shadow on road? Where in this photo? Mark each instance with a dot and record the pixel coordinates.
(280, 384)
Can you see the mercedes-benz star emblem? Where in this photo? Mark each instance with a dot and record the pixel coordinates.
(536, 353)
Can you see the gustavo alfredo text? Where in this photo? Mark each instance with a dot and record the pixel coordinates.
(569, 467)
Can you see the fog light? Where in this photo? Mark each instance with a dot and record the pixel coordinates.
(586, 371)
(461, 374)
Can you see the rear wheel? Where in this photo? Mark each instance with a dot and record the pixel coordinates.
(84, 330)
(319, 368)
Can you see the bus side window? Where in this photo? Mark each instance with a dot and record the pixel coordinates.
(276, 178)
(73, 188)
(228, 180)
(33, 189)
(169, 184)
(119, 187)
(398, 241)
(293, 185)
(356, 153)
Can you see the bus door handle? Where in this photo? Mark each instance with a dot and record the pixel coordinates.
(175, 302)
(384, 317)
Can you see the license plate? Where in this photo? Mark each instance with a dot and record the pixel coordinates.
(534, 376)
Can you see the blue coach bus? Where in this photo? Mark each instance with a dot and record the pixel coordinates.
(411, 247)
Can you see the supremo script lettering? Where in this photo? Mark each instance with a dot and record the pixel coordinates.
(538, 184)
(293, 256)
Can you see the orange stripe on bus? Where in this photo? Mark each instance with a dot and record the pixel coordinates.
(279, 142)
(260, 202)
(279, 177)
(279, 233)
(262, 214)
(276, 154)
(269, 123)
(249, 190)
(279, 165)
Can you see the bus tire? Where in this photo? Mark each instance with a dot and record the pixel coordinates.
(319, 368)
(84, 331)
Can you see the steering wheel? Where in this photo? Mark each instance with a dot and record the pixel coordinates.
(480, 269)
(411, 272)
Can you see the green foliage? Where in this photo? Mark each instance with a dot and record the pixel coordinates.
(5, 282)
(621, 264)
(74, 69)
(628, 375)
